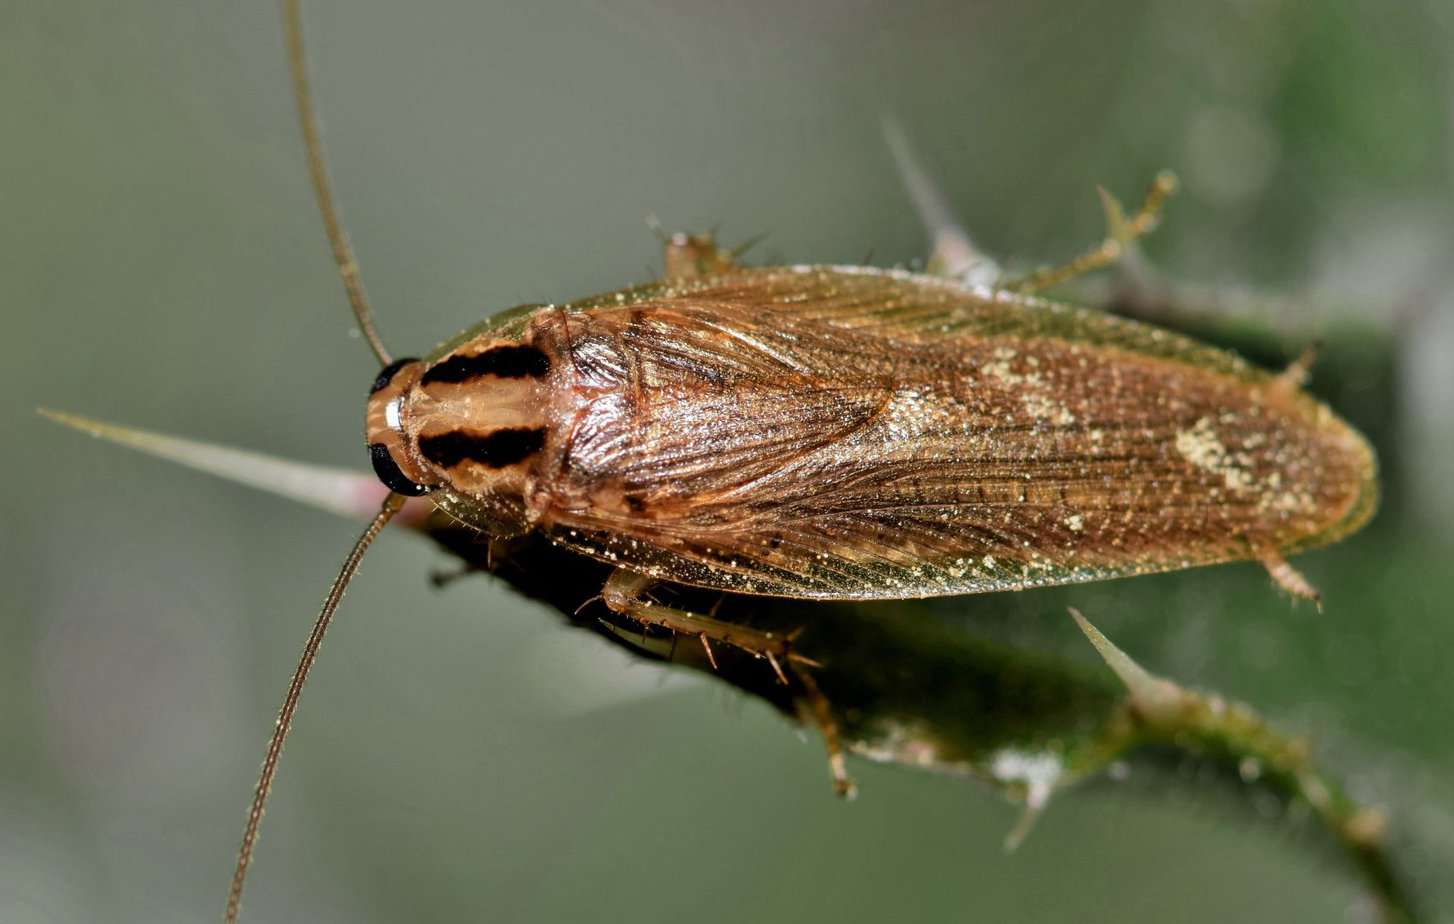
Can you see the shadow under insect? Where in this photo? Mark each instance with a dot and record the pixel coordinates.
(904, 687)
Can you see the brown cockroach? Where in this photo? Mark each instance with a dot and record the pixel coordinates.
(841, 432)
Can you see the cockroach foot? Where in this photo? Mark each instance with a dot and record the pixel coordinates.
(1295, 376)
(821, 713)
(1287, 577)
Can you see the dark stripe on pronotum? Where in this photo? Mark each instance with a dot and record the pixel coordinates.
(386, 374)
(507, 362)
(496, 450)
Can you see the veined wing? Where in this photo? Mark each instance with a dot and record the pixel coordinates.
(850, 434)
(900, 305)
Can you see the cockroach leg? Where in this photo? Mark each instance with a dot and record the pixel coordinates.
(822, 715)
(1028, 816)
(777, 668)
(691, 256)
(624, 594)
(707, 647)
(1121, 233)
(1295, 376)
(1287, 577)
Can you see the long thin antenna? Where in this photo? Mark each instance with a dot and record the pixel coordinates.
(322, 189)
(392, 505)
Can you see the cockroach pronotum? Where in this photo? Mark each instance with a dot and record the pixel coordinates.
(840, 433)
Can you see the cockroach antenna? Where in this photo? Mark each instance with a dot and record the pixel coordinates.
(322, 188)
(393, 502)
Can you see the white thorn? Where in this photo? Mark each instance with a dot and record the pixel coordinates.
(1117, 228)
(953, 253)
(1154, 697)
(335, 490)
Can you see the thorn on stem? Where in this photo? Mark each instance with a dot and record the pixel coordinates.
(1156, 698)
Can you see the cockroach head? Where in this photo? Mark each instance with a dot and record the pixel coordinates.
(383, 423)
(471, 422)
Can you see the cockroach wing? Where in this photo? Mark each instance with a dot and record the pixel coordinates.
(844, 433)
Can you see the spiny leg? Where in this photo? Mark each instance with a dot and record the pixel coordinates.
(625, 592)
(1121, 232)
(1286, 576)
(822, 715)
(692, 256)
(1296, 374)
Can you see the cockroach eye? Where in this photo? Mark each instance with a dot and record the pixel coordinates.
(390, 474)
(386, 374)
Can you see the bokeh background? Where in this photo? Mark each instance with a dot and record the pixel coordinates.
(460, 755)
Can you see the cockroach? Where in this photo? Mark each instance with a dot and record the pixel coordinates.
(839, 433)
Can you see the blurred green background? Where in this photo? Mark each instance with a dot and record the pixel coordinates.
(460, 756)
